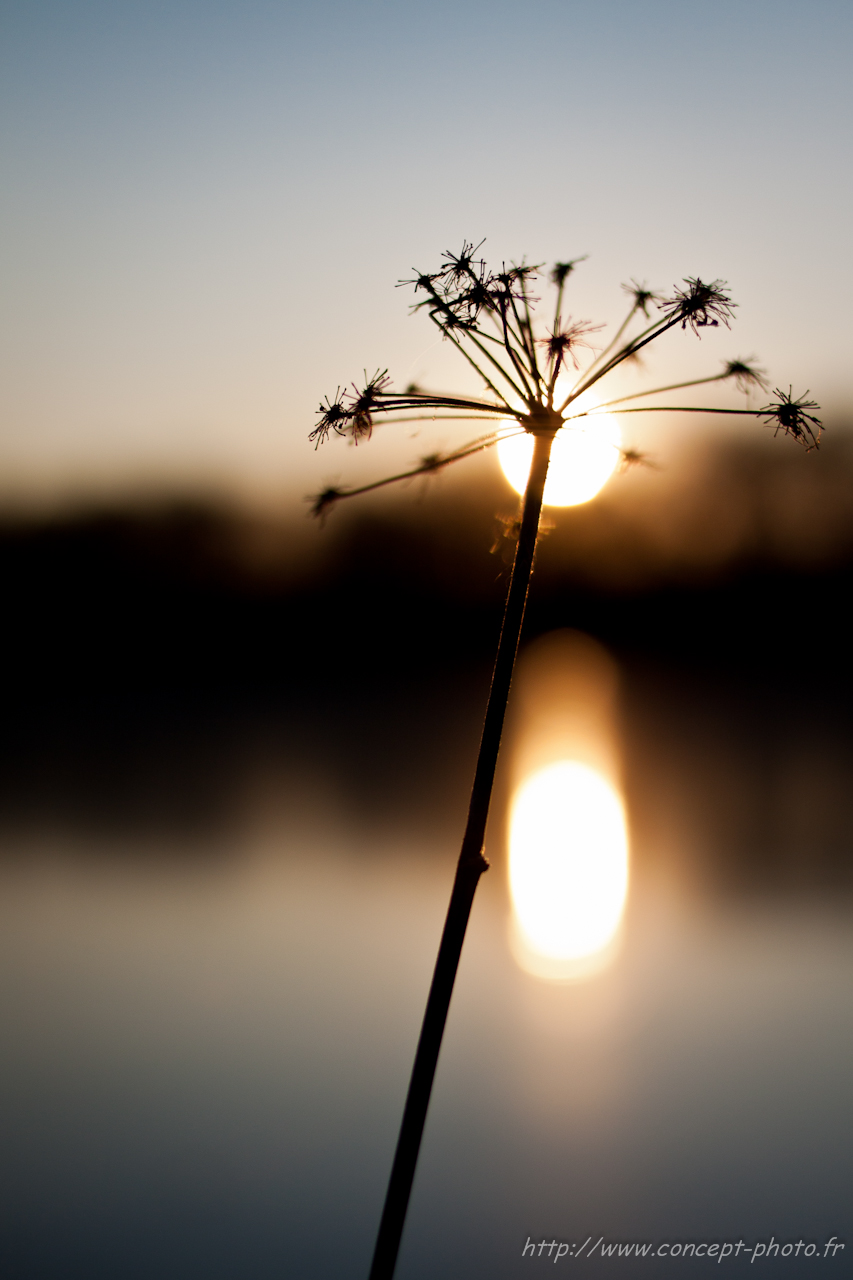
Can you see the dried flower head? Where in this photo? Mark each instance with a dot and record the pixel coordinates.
(746, 374)
(790, 416)
(561, 271)
(464, 288)
(466, 304)
(492, 292)
(490, 316)
(564, 341)
(351, 412)
(699, 305)
(364, 403)
(511, 283)
(423, 281)
(642, 297)
(322, 503)
(432, 462)
(334, 416)
(629, 458)
(462, 267)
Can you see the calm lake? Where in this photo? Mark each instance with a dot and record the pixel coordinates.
(218, 929)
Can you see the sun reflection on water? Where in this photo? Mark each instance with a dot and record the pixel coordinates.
(567, 831)
(568, 870)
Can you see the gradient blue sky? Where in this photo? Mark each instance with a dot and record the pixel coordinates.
(207, 205)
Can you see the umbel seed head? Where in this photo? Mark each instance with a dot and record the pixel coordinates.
(790, 416)
(535, 377)
(699, 305)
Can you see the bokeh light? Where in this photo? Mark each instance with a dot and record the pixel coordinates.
(568, 869)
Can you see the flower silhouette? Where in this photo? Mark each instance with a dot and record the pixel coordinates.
(489, 316)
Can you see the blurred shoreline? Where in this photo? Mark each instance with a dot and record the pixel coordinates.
(743, 555)
(162, 663)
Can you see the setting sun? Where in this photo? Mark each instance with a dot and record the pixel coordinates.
(584, 456)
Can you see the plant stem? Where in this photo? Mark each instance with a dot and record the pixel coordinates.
(470, 867)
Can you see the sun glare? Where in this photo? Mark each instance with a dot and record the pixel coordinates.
(568, 870)
(583, 458)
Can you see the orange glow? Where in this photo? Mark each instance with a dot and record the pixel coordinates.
(568, 870)
(583, 458)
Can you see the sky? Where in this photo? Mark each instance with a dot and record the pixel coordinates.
(207, 207)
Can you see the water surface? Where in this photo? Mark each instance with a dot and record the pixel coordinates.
(217, 936)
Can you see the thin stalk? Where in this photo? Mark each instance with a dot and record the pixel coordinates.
(433, 400)
(470, 334)
(470, 867)
(586, 381)
(612, 343)
(561, 285)
(516, 362)
(434, 464)
(446, 417)
(499, 320)
(668, 408)
(452, 337)
(557, 364)
(490, 337)
(559, 304)
(673, 386)
(531, 341)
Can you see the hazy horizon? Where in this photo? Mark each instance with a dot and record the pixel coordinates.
(207, 209)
